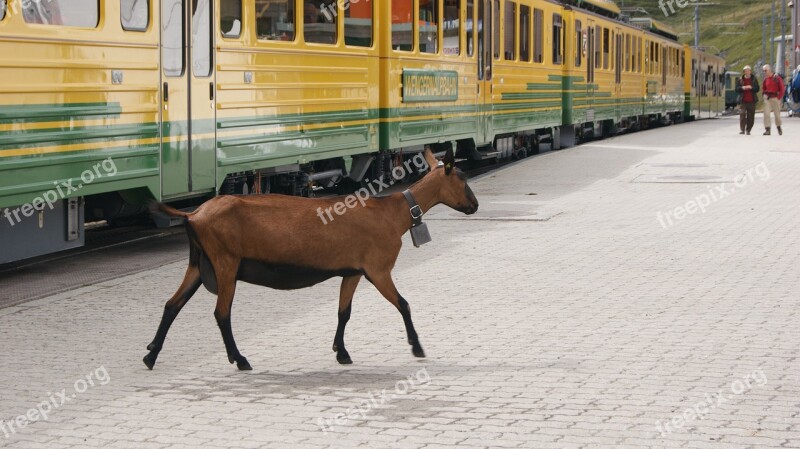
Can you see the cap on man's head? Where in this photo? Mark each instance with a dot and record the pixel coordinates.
(747, 67)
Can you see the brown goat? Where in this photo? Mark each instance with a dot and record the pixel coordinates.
(280, 242)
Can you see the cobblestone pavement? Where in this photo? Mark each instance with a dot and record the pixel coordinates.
(565, 314)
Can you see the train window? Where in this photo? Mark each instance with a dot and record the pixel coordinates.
(606, 47)
(578, 43)
(275, 20)
(173, 30)
(470, 25)
(321, 23)
(683, 64)
(525, 33)
(510, 21)
(358, 23)
(202, 24)
(72, 13)
(639, 55)
(134, 14)
(627, 52)
(496, 28)
(598, 48)
(230, 18)
(558, 39)
(403, 25)
(429, 26)
(538, 35)
(3, 6)
(452, 27)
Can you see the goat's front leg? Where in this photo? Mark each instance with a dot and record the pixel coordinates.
(385, 285)
(227, 289)
(346, 293)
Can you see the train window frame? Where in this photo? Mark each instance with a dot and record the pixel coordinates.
(447, 22)
(558, 39)
(538, 36)
(471, 28)
(397, 43)
(294, 24)
(134, 28)
(435, 13)
(224, 6)
(351, 41)
(164, 54)
(598, 47)
(578, 43)
(606, 48)
(509, 32)
(496, 30)
(525, 20)
(55, 4)
(627, 52)
(199, 70)
(326, 15)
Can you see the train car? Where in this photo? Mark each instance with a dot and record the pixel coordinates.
(107, 104)
(664, 71)
(703, 84)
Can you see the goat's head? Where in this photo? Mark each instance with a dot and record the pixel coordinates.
(453, 190)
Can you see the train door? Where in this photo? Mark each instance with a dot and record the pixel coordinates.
(488, 32)
(188, 142)
(591, 63)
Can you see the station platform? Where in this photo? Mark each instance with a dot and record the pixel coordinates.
(634, 292)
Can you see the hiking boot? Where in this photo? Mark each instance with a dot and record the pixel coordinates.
(767, 132)
(780, 131)
(748, 133)
(741, 132)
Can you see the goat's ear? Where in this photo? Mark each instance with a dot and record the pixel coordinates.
(430, 159)
(449, 161)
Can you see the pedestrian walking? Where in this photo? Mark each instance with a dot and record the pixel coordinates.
(747, 87)
(794, 94)
(773, 90)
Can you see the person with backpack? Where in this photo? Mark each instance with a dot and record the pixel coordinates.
(747, 87)
(774, 90)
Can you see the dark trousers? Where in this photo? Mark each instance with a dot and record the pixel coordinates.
(747, 116)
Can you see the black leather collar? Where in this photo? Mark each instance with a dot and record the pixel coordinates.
(414, 209)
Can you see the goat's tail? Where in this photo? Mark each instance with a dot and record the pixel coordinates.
(156, 207)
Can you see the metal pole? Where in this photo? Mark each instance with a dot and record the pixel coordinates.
(772, 36)
(763, 43)
(782, 59)
(697, 26)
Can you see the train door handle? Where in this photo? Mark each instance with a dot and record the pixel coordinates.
(166, 92)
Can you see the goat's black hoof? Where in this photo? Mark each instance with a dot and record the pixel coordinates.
(418, 352)
(150, 361)
(231, 359)
(244, 365)
(335, 347)
(343, 358)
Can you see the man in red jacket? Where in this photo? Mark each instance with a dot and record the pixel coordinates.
(773, 90)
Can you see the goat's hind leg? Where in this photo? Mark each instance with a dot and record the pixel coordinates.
(227, 289)
(349, 285)
(386, 287)
(191, 282)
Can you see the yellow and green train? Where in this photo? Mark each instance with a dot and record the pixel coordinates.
(105, 104)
